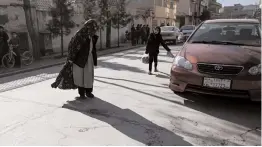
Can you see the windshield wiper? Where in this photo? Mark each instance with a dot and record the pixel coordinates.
(223, 42)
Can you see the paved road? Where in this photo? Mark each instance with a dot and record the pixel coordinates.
(131, 108)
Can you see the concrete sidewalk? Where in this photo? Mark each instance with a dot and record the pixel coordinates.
(49, 61)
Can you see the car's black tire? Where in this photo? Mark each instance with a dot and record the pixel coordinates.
(175, 41)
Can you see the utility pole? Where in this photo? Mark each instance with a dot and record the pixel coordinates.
(199, 9)
(100, 31)
(118, 42)
(108, 24)
(32, 29)
(61, 29)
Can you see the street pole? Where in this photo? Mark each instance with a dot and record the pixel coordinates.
(199, 11)
(61, 29)
(118, 42)
(100, 30)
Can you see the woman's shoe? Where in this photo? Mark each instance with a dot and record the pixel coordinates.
(156, 70)
(81, 97)
(150, 73)
(90, 95)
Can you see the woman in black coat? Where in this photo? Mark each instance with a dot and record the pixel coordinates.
(152, 48)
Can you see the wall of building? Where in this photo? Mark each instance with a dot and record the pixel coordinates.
(165, 13)
(78, 19)
(239, 11)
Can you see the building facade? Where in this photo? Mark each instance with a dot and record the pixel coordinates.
(12, 18)
(162, 12)
(165, 12)
(214, 8)
(239, 11)
(189, 10)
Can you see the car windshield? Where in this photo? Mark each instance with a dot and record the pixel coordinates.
(187, 28)
(228, 33)
(167, 29)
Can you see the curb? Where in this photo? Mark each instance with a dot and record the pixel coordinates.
(99, 53)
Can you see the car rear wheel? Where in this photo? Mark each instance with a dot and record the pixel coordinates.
(175, 41)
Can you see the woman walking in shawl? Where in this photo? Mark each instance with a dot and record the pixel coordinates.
(78, 71)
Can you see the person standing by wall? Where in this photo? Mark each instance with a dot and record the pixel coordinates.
(147, 31)
(133, 35)
(15, 42)
(138, 34)
(144, 34)
(3, 43)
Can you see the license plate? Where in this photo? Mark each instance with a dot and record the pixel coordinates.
(217, 83)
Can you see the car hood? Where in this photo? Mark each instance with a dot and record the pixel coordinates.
(222, 54)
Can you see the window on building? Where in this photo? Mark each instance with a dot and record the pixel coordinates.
(171, 4)
(165, 3)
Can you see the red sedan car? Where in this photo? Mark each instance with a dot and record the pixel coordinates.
(222, 57)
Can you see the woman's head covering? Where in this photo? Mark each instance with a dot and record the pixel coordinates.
(159, 30)
(82, 35)
(90, 25)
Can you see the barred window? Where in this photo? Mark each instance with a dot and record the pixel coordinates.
(171, 4)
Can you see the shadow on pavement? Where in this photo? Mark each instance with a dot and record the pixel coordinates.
(119, 67)
(117, 79)
(163, 75)
(127, 122)
(139, 91)
(242, 112)
(137, 57)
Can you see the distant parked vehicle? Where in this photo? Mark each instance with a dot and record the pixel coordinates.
(186, 31)
(170, 33)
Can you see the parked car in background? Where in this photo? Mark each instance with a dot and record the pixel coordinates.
(222, 57)
(170, 33)
(186, 31)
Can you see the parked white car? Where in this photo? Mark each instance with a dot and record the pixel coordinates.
(186, 31)
(170, 33)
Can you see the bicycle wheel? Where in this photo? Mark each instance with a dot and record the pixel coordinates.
(8, 61)
(27, 58)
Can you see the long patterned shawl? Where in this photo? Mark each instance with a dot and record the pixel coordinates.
(65, 78)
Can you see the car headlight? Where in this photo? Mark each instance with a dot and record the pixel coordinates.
(182, 62)
(255, 70)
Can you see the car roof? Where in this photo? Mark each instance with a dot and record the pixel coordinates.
(232, 20)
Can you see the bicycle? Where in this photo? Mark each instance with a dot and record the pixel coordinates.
(8, 60)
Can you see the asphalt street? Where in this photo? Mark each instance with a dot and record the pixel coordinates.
(130, 108)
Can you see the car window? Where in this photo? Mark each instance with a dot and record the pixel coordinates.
(241, 33)
(168, 29)
(187, 28)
